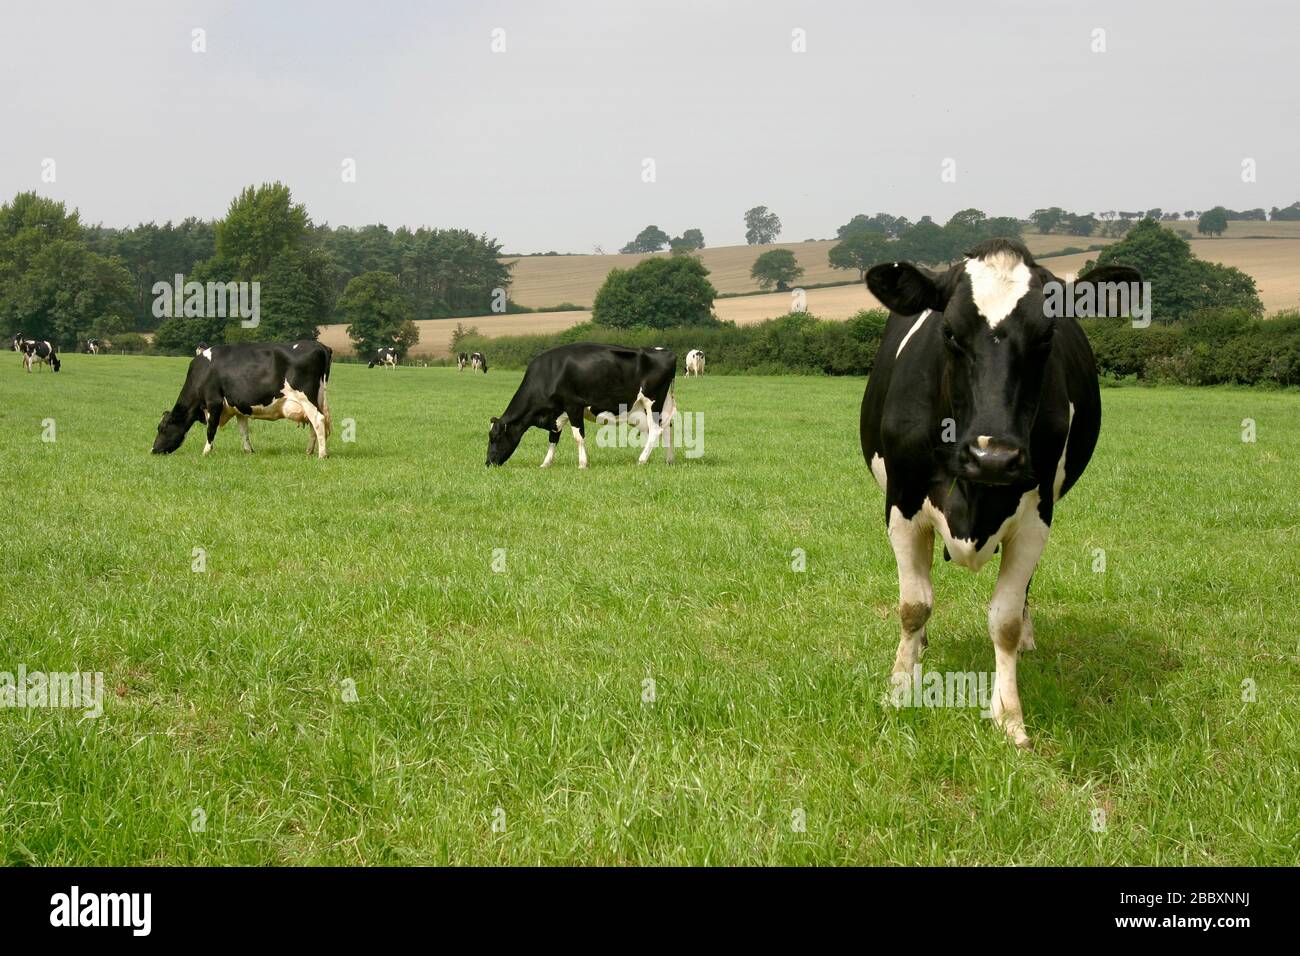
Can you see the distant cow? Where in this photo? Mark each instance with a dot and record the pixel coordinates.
(95, 346)
(602, 383)
(461, 361)
(478, 362)
(267, 380)
(980, 414)
(38, 352)
(384, 356)
(694, 362)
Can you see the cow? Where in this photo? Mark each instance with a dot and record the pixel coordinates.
(694, 363)
(19, 339)
(384, 355)
(980, 414)
(243, 380)
(601, 383)
(200, 348)
(38, 352)
(461, 361)
(478, 362)
(95, 346)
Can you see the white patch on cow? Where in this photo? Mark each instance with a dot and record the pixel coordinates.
(1059, 480)
(878, 469)
(997, 283)
(207, 354)
(913, 544)
(295, 344)
(962, 551)
(983, 440)
(912, 331)
(550, 454)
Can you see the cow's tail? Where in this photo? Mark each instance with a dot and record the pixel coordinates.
(322, 394)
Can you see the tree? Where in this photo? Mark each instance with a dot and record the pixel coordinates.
(1287, 213)
(1181, 284)
(297, 295)
(261, 223)
(926, 241)
(1213, 222)
(375, 310)
(649, 239)
(689, 241)
(761, 226)
(1079, 225)
(861, 251)
(777, 267)
(657, 293)
(1045, 220)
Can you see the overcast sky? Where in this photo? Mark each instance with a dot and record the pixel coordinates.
(543, 145)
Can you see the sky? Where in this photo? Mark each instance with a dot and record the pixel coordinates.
(544, 144)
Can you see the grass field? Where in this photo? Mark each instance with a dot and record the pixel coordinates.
(517, 697)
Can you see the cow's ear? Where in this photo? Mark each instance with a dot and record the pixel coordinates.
(1124, 274)
(905, 288)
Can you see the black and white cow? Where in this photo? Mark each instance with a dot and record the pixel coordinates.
(601, 383)
(384, 355)
(38, 352)
(461, 361)
(267, 380)
(200, 348)
(95, 346)
(980, 414)
(694, 363)
(478, 362)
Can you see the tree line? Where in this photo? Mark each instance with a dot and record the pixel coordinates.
(68, 282)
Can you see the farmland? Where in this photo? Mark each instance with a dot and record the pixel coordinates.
(376, 658)
(1267, 251)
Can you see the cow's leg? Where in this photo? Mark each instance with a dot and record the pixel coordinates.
(666, 419)
(243, 433)
(1020, 554)
(579, 433)
(215, 421)
(551, 446)
(913, 543)
(655, 425)
(309, 411)
(1026, 627)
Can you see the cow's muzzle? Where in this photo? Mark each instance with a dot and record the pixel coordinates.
(992, 462)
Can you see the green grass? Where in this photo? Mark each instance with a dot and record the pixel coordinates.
(523, 690)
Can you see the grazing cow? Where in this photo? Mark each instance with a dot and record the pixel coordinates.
(38, 352)
(243, 380)
(95, 346)
(461, 361)
(980, 414)
(477, 361)
(384, 355)
(694, 363)
(602, 383)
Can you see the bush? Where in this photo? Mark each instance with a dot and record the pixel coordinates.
(130, 343)
(658, 293)
(1226, 347)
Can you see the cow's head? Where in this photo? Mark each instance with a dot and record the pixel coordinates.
(998, 339)
(172, 429)
(503, 439)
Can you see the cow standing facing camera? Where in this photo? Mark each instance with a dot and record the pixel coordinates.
(982, 411)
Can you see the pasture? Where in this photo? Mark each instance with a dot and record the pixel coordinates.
(500, 629)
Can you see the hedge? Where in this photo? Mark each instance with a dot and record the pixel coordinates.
(1212, 349)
